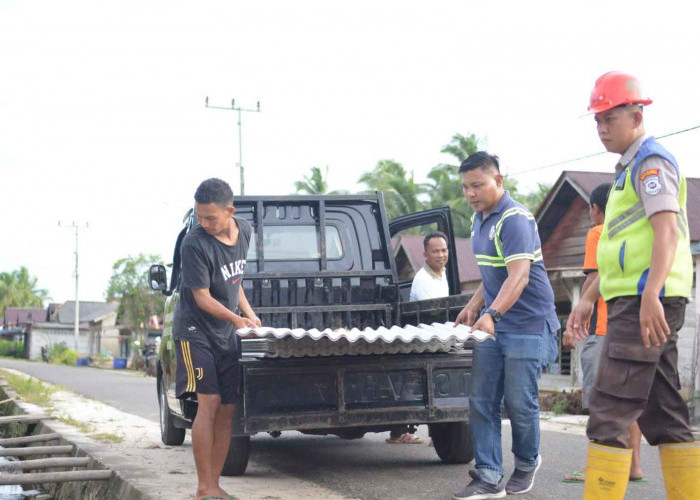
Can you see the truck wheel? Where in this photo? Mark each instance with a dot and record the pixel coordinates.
(169, 434)
(237, 458)
(452, 441)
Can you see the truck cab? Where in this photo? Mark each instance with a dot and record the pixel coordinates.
(327, 262)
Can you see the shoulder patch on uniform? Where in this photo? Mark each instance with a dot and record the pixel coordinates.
(652, 185)
(648, 173)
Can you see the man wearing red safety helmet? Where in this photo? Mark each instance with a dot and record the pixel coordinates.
(645, 276)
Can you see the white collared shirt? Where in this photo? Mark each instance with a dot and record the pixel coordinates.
(428, 285)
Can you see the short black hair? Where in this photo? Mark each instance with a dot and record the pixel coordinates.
(599, 196)
(214, 191)
(480, 159)
(434, 234)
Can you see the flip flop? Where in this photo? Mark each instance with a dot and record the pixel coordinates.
(574, 477)
(405, 439)
(639, 480)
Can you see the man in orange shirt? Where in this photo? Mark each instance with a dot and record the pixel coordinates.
(590, 353)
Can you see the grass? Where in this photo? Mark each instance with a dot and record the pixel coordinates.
(30, 389)
(559, 407)
(84, 427)
(106, 437)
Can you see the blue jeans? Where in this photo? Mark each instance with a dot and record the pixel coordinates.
(507, 368)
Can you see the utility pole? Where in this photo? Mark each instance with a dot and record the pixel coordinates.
(240, 131)
(76, 324)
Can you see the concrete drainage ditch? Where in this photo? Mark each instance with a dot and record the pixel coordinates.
(37, 462)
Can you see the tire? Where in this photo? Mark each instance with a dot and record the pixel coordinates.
(452, 441)
(237, 457)
(169, 434)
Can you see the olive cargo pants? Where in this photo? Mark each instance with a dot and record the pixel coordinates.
(636, 383)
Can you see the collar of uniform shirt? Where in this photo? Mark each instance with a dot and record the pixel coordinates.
(629, 155)
(499, 207)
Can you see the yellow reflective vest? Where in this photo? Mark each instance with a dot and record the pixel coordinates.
(624, 249)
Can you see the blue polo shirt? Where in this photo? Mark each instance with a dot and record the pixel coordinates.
(510, 233)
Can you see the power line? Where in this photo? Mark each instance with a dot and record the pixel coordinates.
(596, 154)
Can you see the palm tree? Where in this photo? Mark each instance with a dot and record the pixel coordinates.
(446, 189)
(534, 199)
(401, 191)
(18, 289)
(461, 146)
(316, 183)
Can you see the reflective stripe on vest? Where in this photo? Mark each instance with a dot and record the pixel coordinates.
(624, 249)
(500, 261)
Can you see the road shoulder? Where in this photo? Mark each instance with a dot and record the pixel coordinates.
(131, 446)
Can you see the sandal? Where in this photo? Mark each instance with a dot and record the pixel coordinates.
(574, 477)
(405, 439)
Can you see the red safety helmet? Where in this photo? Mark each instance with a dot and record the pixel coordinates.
(615, 89)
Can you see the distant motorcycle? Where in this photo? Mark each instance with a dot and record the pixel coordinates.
(45, 354)
(150, 358)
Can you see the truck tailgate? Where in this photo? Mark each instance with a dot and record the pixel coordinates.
(316, 393)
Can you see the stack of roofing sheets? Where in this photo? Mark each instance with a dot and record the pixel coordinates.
(288, 343)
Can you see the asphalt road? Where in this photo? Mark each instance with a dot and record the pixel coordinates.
(368, 468)
(131, 392)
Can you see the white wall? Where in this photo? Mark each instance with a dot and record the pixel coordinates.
(49, 336)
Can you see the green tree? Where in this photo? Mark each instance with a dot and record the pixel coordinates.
(316, 183)
(18, 289)
(446, 189)
(401, 191)
(461, 146)
(534, 199)
(129, 285)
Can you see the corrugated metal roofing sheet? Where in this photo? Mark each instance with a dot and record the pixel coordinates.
(285, 342)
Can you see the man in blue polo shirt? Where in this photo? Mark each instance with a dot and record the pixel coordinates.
(515, 303)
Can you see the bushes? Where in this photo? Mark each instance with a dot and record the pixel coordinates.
(11, 348)
(562, 402)
(61, 354)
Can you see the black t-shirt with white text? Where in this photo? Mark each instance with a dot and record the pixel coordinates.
(209, 263)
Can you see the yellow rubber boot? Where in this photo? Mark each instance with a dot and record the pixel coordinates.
(680, 463)
(607, 472)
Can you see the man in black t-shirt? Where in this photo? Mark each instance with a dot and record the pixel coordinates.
(204, 324)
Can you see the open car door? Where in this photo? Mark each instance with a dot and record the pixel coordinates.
(415, 226)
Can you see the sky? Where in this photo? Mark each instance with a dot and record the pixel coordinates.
(103, 122)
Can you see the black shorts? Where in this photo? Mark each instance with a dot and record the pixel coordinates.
(200, 370)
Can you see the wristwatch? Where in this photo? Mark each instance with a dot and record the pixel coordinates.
(494, 314)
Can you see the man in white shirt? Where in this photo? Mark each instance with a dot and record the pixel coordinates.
(430, 282)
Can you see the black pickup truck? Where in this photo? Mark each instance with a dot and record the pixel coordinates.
(328, 262)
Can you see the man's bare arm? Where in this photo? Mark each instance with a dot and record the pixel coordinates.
(467, 316)
(511, 289)
(592, 280)
(245, 308)
(581, 315)
(513, 286)
(654, 327)
(209, 304)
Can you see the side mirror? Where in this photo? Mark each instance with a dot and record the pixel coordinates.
(158, 278)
